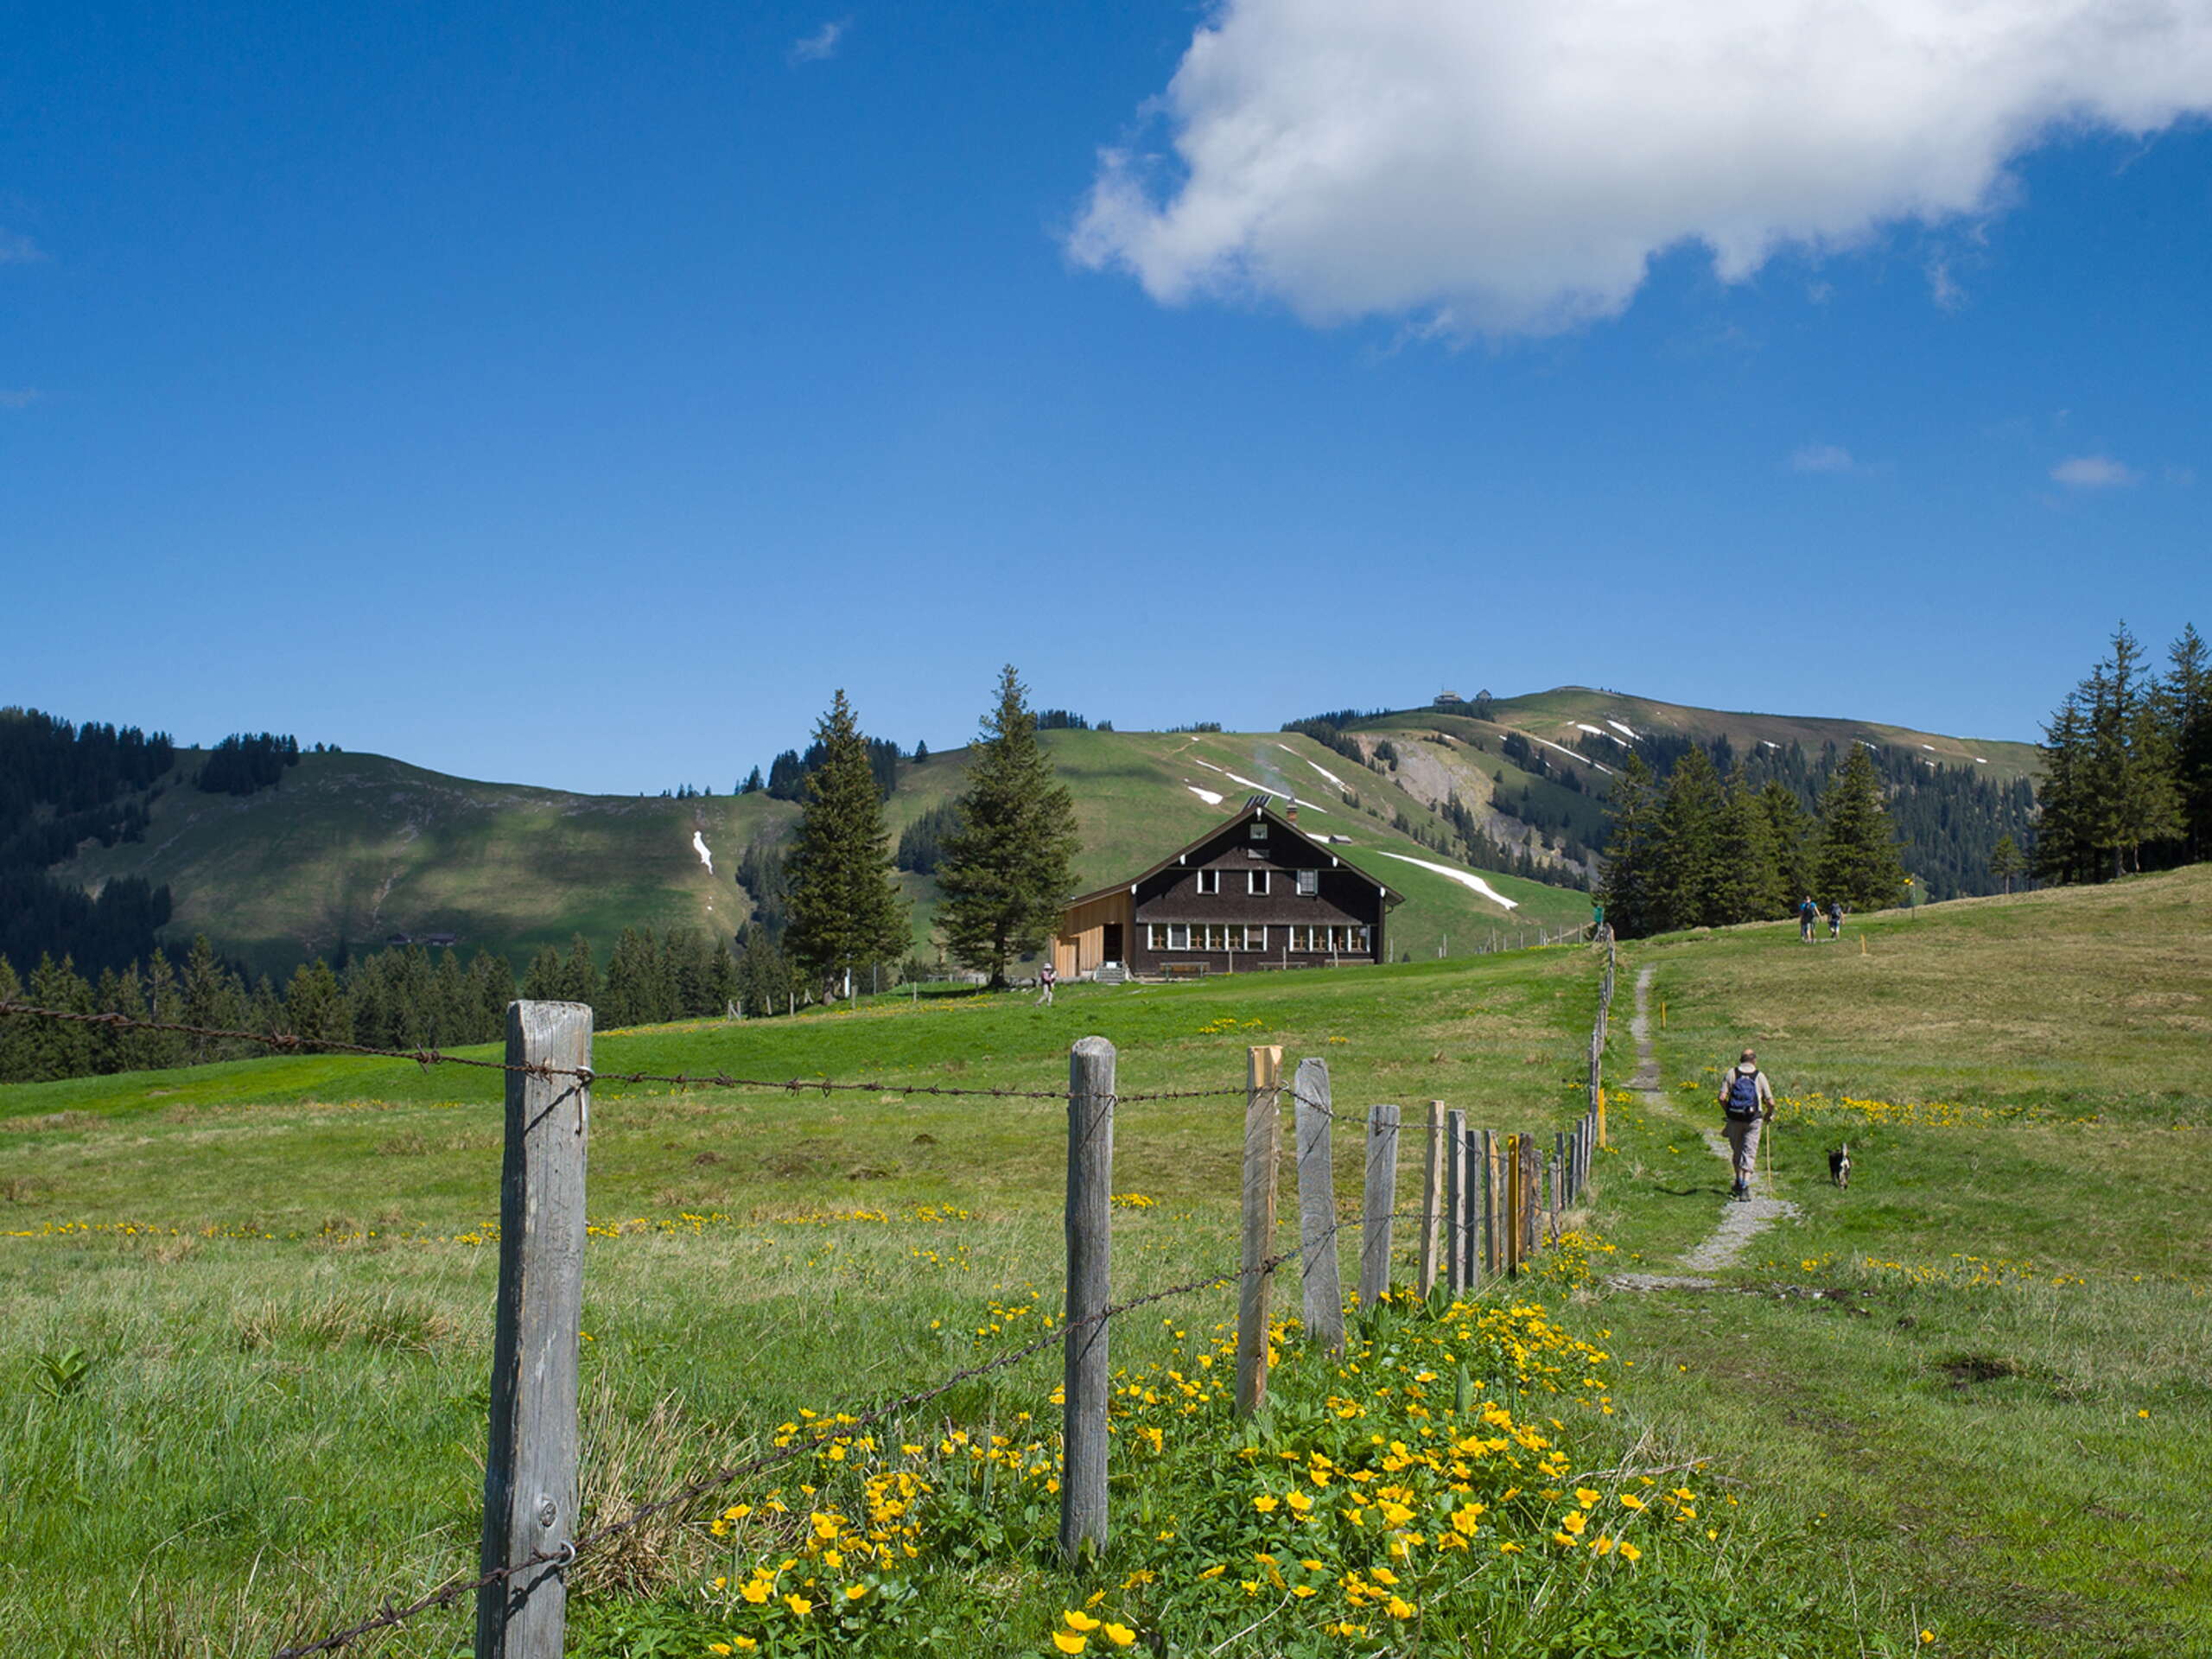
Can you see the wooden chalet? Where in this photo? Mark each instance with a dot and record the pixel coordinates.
(1253, 891)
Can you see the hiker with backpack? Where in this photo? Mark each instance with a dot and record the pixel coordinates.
(1808, 913)
(1835, 918)
(1749, 1101)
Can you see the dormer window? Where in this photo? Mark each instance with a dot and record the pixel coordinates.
(1209, 880)
(1255, 881)
(1309, 883)
(1259, 831)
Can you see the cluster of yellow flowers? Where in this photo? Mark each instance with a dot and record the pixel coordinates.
(1850, 1112)
(1970, 1270)
(1223, 1025)
(1435, 1444)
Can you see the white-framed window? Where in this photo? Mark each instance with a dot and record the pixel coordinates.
(1309, 883)
(1345, 939)
(1204, 936)
(1255, 881)
(1209, 880)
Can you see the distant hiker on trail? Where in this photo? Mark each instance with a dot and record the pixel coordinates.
(1835, 918)
(1748, 1103)
(1808, 913)
(1046, 978)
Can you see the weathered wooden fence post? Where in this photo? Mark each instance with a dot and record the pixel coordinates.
(530, 1473)
(1488, 1152)
(1509, 1212)
(1473, 1192)
(1256, 1283)
(1380, 1199)
(1531, 1195)
(1432, 1194)
(1317, 1208)
(1086, 1379)
(1455, 1202)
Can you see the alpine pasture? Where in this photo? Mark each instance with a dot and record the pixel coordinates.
(1957, 1409)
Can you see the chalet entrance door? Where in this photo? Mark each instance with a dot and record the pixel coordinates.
(1110, 944)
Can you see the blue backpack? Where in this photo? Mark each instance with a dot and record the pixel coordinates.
(1743, 1094)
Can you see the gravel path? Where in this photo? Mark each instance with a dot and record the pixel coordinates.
(1739, 1222)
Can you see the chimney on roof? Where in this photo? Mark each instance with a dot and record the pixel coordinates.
(1290, 815)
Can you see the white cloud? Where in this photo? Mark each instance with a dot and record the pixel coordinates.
(18, 396)
(821, 44)
(1822, 458)
(2092, 473)
(1514, 166)
(18, 249)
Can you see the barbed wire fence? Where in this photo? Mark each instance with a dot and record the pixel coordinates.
(1485, 1202)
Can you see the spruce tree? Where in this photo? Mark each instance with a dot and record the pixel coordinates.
(1006, 863)
(2005, 861)
(1857, 859)
(1789, 832)
(1690, 877)
(1631, 883)
(2188, 697)
(846, 909)
(2063, 849)
(1748, 883)
(2130, 770)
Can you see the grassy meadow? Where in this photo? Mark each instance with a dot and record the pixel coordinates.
(1990, 1422)
(244, 1326)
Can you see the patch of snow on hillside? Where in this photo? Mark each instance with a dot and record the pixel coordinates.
(1205, 795)
(1769, 743)
(1979, 761)
(1930, 747)
(699, 846)
(1261, 789)
(1569, 753)
(1315, 764)
(1466, 878)
(1618, 727)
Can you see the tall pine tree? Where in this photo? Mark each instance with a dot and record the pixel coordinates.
(1006, 865)
(846, 910)
(1858, 858)
(1630, 886)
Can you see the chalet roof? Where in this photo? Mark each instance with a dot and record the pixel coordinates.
(1253, 808)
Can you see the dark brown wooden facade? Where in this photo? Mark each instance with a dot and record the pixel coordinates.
(1255, 893)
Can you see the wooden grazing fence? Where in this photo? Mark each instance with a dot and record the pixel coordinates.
(1488, 1202)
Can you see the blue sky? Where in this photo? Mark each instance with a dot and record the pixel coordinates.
(581, 399)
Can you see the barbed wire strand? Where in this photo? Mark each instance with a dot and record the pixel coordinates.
(390, 1616)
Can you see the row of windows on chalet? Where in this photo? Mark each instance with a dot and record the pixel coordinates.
(1304, 940)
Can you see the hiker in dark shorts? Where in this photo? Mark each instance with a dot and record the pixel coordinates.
(1808, 913)
(1748, 1103)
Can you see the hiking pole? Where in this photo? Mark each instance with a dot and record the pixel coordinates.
(1766, 1146)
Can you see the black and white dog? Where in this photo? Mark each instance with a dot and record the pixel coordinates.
(1840, 1164)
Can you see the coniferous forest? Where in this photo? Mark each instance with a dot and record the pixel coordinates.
(2127, 766)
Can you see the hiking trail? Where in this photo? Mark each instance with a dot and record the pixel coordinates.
(1739, 1222)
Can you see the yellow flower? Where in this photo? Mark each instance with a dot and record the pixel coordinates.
(1080, 1621)
(1586, 1497)
(1631, 1501)
(1264, 1504)
(1398, 1607)
(1383, 1575)
(1630, 1553)
(1927, 1635)
(720, 1647)
(1574, 1521)
(1509, 1547)
(1299, 1502)
(1067, 1643)
(757, 1592)
(1301, 1591)
(1120, 1635)
(798, 1604)
(854, 1592)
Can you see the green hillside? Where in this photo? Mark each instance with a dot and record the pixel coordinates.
(358, 848)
